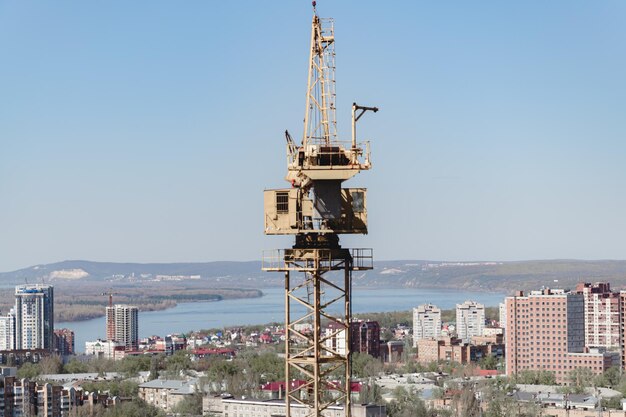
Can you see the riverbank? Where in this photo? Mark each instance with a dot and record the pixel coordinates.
(89, 301)
(270, 308)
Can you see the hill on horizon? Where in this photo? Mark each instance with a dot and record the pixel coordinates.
(503, 277)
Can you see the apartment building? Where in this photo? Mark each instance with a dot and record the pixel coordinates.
(34, 317)
(166, 393)
(64, 342)
(426, 322)
(470, 320)
(123, 325)
(602, 315)
(228, 406)
(21, 397)
(364, 337)
(502, 315)
(452, 349)
(546, 331)
(7, 331)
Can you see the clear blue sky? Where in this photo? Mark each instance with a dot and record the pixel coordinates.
(146, 131)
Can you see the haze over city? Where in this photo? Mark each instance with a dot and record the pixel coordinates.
(146, 132)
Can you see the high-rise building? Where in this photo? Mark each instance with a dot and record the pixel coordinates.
(34, 317)
(426, 322)
(125, 327)
(64, 342)
(7, 331)
(502, 315)
(602, 315)
(470, 320)
(545, 331)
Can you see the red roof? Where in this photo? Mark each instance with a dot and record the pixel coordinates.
(486, 372)
(354, 386)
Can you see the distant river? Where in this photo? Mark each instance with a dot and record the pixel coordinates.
(270, 308)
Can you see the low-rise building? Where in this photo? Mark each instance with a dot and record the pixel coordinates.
(166, 393)
(452, 349)
(391, 351)
(229, 406)
(107, 349)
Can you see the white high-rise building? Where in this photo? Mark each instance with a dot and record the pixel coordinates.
(34, 317)
(502, 315)
(7, 331)
(470, 320)
(125, 325)
(426, 322)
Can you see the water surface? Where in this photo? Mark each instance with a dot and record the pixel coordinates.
(270, 308)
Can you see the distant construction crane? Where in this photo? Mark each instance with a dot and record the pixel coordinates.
(110, 317)
(318, 271)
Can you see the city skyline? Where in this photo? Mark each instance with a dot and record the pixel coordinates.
(499, 135)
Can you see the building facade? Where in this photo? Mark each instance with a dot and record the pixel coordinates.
(108, 349)
(365, 337)
(7, 331)
(125, 328)
(21, 397)
(34, 317)
(470, 320)
(64, 342)
(546, 331)
(234, 407)
(502, 315)
(602, 315)
(426, 322)
(166, 393)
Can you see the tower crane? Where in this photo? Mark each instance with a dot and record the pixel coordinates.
(110, 317)
(316, 210)
(110, 293)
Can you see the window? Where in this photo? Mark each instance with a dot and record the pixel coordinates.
(282, 202)
(358, 201)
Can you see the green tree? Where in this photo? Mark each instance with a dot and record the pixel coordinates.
(267, 365)
(407, 403)
(489, 362)
(610, 378)
(465, 403)
(536, 377)
(579, 379)
(28, 370)
(365, 366)
(52, 364)
(613, 403)
(130, 366)
(74, 366)
(154, 368)
(177, 364)
(500, 403)
(370, 394)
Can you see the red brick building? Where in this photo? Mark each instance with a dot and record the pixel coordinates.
(64, 342)
(545, 330)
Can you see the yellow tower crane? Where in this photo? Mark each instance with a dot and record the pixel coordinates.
(316, 210)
